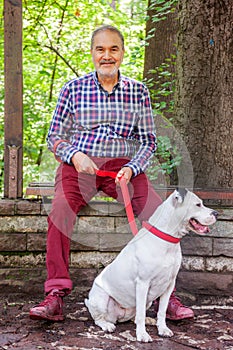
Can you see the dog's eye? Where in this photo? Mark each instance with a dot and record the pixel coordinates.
(198, 205)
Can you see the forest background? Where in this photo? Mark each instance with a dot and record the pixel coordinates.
(182, 50)
(56, 48)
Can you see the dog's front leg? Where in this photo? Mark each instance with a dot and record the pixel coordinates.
(141, 301)
(163, 330)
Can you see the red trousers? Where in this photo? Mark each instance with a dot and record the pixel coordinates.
(73, 191)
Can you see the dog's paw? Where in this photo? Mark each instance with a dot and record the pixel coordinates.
(165, 332)
(110, 327)
(144, 337)
(106, 326)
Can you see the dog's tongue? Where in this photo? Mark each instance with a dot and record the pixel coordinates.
(198, 227)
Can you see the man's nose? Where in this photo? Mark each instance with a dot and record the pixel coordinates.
(107, 54)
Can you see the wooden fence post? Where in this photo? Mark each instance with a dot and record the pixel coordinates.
(13, 122)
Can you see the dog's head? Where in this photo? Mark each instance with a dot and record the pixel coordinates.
(191, 212)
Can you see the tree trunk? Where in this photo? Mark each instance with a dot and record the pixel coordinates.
(204, 101)
(160, 59)
(160, 49)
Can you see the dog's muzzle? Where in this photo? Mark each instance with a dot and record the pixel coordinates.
(197, 227)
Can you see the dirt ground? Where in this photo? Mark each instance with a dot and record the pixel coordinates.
(211, 329)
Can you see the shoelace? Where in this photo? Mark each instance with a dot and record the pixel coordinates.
(176, 301)
(50, 298)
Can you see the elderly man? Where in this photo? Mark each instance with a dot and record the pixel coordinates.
(102, 120)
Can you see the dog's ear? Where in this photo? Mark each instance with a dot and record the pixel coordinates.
(179, 195)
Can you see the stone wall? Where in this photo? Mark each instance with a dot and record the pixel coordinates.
(101, 231)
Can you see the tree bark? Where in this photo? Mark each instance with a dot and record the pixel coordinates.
(161, 46)
(163, 42)
(204, 94)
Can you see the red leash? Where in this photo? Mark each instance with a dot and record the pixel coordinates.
(129, 210)
(126, 197)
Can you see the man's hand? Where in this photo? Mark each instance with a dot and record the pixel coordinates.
(83, 164)
(125, 172)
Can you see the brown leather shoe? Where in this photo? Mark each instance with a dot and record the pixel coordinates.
(50, 309)
(176, 310)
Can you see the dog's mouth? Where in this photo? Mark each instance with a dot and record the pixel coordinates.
(197, 227)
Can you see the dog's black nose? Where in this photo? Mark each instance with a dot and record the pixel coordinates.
(215, 213)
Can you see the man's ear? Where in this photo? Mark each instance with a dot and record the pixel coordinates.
(179, 195)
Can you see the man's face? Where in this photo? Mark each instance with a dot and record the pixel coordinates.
(107, 53)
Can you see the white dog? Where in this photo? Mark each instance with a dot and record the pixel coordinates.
(147, 267)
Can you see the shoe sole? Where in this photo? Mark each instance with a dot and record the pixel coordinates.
(179, 318)
(57, 318)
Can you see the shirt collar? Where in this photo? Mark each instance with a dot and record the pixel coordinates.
(120, 82)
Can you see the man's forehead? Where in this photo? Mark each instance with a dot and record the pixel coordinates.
(107, 38)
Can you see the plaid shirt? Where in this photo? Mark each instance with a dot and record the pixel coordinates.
(118, 124)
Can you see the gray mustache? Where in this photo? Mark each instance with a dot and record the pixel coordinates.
(105, 61)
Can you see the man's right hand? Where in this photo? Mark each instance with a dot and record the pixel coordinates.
(83, 164)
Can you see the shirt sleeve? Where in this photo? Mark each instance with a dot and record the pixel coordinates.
(146, 136)
(59, 134)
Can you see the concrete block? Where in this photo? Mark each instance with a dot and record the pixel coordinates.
(114, 242)
(36, 242)
(223, 246)
(91, 259)
(205, 283)
(26, 207)
(13, 242)
(94, 224)
(192, 244)
(193, 263)
(22, 260)
(225, 214)
(94, 208)
(116, 209)
(222, 229)
(219, 264)
(84, 241)
(122, 225)
(23, 224)
(7, 207)
(26, 280)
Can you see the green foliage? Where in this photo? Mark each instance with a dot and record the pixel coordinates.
(162, 90)
(162, 85)
(162, 81)
(56, 48)
(162, 9)
(166, 159)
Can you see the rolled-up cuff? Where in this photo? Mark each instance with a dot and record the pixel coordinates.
(58, 283)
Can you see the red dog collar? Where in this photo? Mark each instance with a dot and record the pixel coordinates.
(159, 233)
